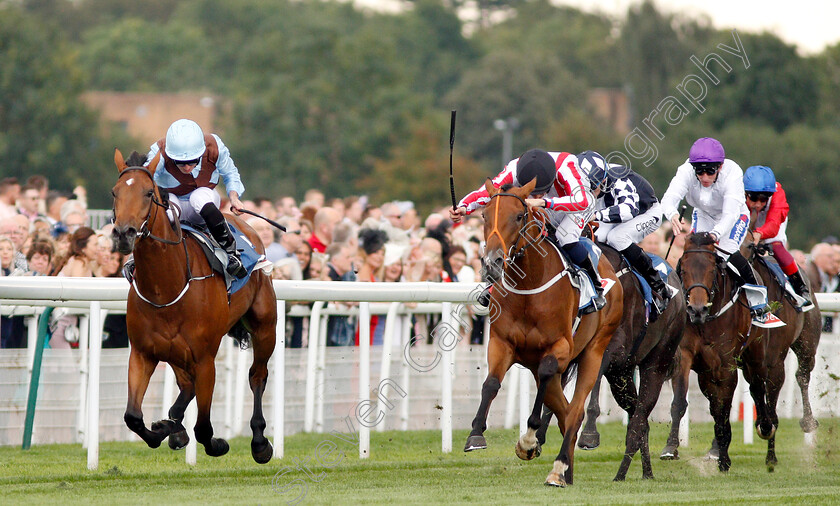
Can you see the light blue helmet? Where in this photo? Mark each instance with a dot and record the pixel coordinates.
(759, 178)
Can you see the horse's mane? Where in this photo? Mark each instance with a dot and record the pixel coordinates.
(135, 160)
(701, 239)
(506, 187)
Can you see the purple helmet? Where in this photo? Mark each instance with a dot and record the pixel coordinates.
(706, 150)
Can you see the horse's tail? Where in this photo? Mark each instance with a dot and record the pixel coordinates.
(240, 333)
(570, 373)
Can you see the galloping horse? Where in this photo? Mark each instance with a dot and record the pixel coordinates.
(535, 325)
(717, 340)
(178, 310)
(801, 335)
(651, 348)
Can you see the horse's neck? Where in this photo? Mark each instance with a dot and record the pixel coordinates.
(149, 251)
(536, 267)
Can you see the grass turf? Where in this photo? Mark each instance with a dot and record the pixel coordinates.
(408, 468)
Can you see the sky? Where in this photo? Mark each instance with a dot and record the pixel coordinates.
(810, 24)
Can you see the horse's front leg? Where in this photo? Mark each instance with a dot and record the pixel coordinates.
(528, 447)
(589, 437)
(178, 438)
(499, 360)
(719, 391)
(140, 369)
(805, 350)
(679, 384)
(588, 366)
(205, 382)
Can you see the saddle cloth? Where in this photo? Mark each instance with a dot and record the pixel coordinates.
(217, 257)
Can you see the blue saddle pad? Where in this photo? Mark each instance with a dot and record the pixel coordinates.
(773, 266)
(662, 267)
(248, 254)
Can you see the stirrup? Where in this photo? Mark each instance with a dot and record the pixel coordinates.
(767, 320)
(235, 267)
(128, 269)
(484, 297)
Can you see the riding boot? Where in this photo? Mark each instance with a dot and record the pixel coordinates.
(800, 287)
(578, 254)
(662, 293)
(217, 226)
(761, 317)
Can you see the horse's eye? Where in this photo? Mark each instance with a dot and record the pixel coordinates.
(113, 194)
(150, 194)
(520, 216)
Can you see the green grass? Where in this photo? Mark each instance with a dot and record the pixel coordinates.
(408, 468)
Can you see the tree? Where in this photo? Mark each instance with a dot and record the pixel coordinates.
(44, 127)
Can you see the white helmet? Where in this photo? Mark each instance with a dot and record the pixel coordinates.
(184, 140)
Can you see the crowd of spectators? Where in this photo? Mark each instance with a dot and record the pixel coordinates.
(43, 233)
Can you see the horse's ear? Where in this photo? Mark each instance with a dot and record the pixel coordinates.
(491, 190)
(118, 160)
(152, 166)
(529, 187)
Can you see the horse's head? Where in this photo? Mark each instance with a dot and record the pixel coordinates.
(134, 196)
(698, 271)
(507, 227)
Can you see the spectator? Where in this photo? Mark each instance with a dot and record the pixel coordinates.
(308, 211)
(458, 261)
(354, 208)
(393, 262)
(287, 206)
(39, 257)
(107, 263)
(306, 228)
(801, 260)
(653, 243)
(55, 200)
(29, 202)
(325, 221)
(16, 228)
(273, 250)
(42, 184)
(12, 328)
(315, 197)
(265, 207)
(291, 239)
(73, 215)
(83, 251)
(304, 256)
(317, 266)
(823, 271)
(372, 257)
(340, 329)
(391, 214)
(287, 269)
(9, 192)
(338, 205)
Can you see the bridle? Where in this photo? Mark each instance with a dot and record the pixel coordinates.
(145, 232)
(709, 292)
(156, 202)
(513, 253)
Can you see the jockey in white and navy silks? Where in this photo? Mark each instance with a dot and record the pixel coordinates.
(627, 211)
(714, 186)
(189, 168)
(561, 189)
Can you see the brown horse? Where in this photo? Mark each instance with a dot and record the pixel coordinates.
(178, 310)
(650, 347)
(718, 339)
(536, 329)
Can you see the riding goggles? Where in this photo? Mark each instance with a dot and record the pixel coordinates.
(184, 163)
(707, 168)
(758, 196)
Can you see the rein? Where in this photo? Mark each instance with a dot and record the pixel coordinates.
(710, 292)
(512, 254)
(145, 232)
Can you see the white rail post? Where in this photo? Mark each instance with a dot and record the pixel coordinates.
(525, 378)
(748, 409)
(190, 417)
(84, 367)
(229, 347)
(239, 392)
(406, 372)
(311, 365)
(391, 327)
(364, 377)
(168, 391)
(31, 338)
(279, 381)
(512, 385)
(93, 385)
(320, 374)
(446, 375)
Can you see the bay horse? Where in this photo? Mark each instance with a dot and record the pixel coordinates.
(718, 339)
(636, 343)
(178, 310)
(534, 325)
(801, 335)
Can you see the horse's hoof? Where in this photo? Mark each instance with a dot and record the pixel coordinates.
(164, 427)
(589, 440)
(724, 464)
(766, 437)
(670, 453)
(713, 454)
(217, 447)
(555, 480)
(179, 440)
(809, 424)
(475, 443)
(531, 454)
(262, 453)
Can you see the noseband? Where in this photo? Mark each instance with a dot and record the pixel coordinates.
(513, 253)
(709, 292)
(144, 228)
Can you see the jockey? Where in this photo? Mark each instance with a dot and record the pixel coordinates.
(561, 189)
(628, 211)
(714, 186)
(766, 198)
(189, 168)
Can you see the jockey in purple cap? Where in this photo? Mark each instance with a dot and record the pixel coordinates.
(714, 186)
